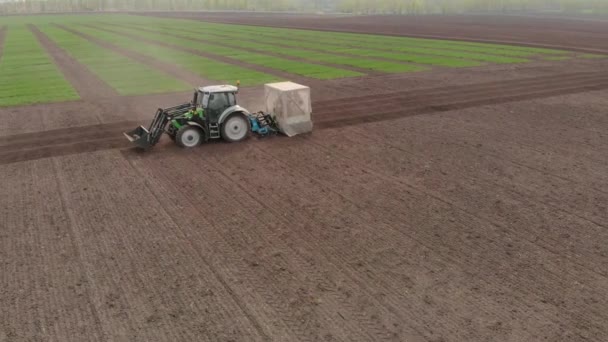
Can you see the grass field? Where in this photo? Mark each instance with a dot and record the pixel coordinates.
(27, 73)
(204, 67)
(125, 75)
(221, 53)
(298, 68)
(286, 48)
(380, 49)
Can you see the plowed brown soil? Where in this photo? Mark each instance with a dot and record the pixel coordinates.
(453, 205)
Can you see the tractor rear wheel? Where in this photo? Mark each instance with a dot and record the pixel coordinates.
(235, 128)
(189, 136)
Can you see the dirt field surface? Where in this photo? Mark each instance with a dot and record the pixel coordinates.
(452, 205)
(572, 33)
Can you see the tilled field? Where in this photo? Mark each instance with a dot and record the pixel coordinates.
(451, 205)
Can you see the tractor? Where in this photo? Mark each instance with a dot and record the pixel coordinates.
(212, 114)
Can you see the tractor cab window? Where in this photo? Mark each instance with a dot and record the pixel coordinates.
(204, 100)
(218, 101)
(231, 99)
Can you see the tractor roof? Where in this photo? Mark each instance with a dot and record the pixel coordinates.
(219, 89)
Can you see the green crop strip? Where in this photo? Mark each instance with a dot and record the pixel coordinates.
(28, 74)
(371, 40)
(413, 58)
(126, 76)
(250, 44)
(592, 56)
(555, 58)
(205, 67)
(321, 42)
(385, 40)
(294, 67)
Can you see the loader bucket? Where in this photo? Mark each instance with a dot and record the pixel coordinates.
(139, 137)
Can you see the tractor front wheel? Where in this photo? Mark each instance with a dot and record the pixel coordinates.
(172, 132)
(235, 128)
(189, 136)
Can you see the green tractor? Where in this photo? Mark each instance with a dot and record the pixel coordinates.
(212, 114)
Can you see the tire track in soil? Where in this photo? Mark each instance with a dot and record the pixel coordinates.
(495, 197)
(220, 58)
(62, 150)
(44, 290)
(231, 234)
(570, 162)
(335, 113)
(384, 116)
(338, 103)
(63, 135)
(548, 288)
(350, 111)
(587, 172)
(316, 222)
(541, 122)
(147, 285)
(61, 142)
(208, 259)
(466, 153)
(169, 69)
(90, 87)
(368, 72)
(352, 274)
(593, 282)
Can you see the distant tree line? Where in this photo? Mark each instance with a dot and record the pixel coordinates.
(42, 6)
(347, 6)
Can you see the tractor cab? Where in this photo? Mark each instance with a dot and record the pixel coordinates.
(215, 100)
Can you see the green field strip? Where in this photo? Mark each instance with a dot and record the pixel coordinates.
(294, 67)
(28, 74)
(335, 45)
(386, 41)
(368, 53)
(555, 58)
(125, 75)
(490, 48)
(372, 64)
(365, 53)
(592, 56)
(428, 51)
(436, 44)
(205, 67)
(2, 35)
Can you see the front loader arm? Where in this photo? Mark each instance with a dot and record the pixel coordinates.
(146, 138)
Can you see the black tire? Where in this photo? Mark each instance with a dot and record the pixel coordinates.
(235, 128)
(189, 136)
(172, 132)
